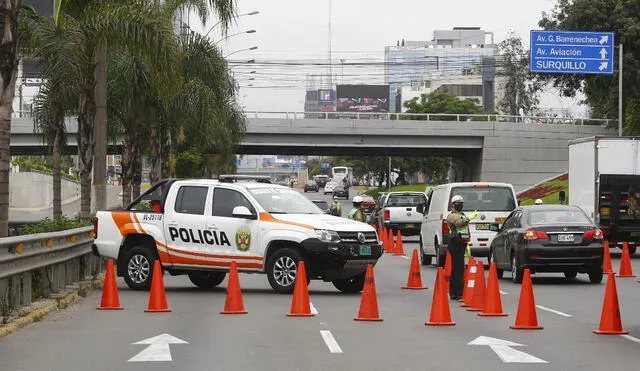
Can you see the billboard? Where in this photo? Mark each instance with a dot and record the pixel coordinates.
(362, 98)
(326, 96)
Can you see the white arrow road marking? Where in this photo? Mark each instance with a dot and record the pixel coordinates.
(503, 349)
(331, 342)
(629, 337)
(553, 311)
(603, 53)
(313, 308)
(604, 39)
(158, 349)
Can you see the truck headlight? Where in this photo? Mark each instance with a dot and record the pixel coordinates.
(327, 236)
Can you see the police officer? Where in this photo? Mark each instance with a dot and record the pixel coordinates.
(336, 208)
(356, 212)
(458, 238)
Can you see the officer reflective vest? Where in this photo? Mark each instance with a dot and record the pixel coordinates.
(356, 214)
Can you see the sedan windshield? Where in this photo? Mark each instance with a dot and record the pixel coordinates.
(284, 201)
(547, 217)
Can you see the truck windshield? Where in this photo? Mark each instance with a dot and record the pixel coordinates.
(284, 201)
(406, 200)
(486, 198)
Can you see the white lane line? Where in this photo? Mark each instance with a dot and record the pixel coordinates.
(504, 292)
(406, 257)
(629, 337)
(553, 311)
(313, 308)
(331, 342)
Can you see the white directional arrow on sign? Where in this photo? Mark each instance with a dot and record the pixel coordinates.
(603, 53)
(158, 349)
(604, 39)
(603, 66)
(503, 349)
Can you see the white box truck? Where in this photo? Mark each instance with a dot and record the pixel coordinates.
(604, 180)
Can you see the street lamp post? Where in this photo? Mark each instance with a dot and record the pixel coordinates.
(240, 15)
(242, 50)
(235, 34)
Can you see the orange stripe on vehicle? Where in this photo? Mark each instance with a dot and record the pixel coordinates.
(139, 224)
(164, 257)
(121, 219)
(181, 260)
(266, 217)
(239, 257)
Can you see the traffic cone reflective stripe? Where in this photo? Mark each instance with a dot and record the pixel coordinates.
(110, 299)
(527, 318)
(440, 313)
(469, 282)
(300, 304)
(492, 306)
(479, 288)
(414, 281)
(447, 271)
(606, 262)
(369, 301)
(625, 263)
(399, 250)
(233, 303)
(157, 296)
(610, 321)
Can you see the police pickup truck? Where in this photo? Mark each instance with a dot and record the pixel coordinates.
(399, 212)
(198, 227)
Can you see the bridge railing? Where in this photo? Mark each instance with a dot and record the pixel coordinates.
(428, 117)
(43, 264)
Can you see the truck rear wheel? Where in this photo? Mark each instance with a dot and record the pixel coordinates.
(207, 280)
(139, 268)
(351, 285)
(282, 270)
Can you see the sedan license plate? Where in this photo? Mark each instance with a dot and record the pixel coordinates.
(565, 238)
(482, 226)
(365, 250)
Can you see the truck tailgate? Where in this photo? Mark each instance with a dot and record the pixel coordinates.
(404, 214)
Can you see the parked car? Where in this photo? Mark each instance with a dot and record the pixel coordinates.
(322, 180)
(323, 205)
(311, 186)
(328, 188)
(341, 191)
(548, 238)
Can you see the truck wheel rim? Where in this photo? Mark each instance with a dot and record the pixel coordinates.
(138, 268)
(284, 271)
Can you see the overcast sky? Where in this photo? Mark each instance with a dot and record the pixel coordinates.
(297, 31)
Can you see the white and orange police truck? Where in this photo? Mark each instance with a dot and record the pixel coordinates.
(198, 227)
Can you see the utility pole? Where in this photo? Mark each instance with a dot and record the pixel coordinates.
(620, 92)
(389, 178)
(330, 70)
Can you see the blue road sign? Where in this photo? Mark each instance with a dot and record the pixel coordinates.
(572, 52)
(324, 165)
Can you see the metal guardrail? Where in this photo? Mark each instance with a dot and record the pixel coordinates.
(53, 260)
(429, 117)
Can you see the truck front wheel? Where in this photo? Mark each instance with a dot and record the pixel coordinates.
(139, 268)
(282, 270)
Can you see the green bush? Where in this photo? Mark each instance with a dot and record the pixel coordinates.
(53, 225)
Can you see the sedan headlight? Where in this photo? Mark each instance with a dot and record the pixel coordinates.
(327, 236)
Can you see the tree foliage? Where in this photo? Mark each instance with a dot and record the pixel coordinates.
(601, 91)
(442, 102)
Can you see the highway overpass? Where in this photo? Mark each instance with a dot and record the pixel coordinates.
(488, 150)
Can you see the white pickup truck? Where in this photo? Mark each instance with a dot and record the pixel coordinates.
(399, 212)
(198, 227)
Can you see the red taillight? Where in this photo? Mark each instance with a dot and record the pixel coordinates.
(387, 215)
(596, 234)
(445, 228)
(95, 227)
(535, 235)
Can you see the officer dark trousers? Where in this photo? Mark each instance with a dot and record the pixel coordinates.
(457, 267)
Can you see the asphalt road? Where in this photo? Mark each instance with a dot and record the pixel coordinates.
(82, 338)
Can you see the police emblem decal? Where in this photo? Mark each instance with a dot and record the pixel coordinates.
(243, 238)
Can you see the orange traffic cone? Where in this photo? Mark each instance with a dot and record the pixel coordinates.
(414, 282)
(526, 319)
(392, 243)
(369, 302)
(157, 297)
(385, 239)
(606, 263)
(447, 271)
(110, 299)
(469, 283)
(399, 251)
(492, 301)
(300, 304)
(479, 287)
(234, 303)
(625, 263)
(610, 322)
(440, 313)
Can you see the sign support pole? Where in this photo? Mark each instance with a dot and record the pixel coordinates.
(389, 180)
(620, 92)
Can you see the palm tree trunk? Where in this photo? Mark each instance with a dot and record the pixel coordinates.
(86, 143)
(57, 186)
(126, 173)
(8, 73)
(156, 153)
(136, 171)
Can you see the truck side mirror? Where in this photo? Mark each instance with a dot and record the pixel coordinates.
(420, 208)
(243, 212)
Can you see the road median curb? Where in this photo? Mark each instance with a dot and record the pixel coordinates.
(61, 300)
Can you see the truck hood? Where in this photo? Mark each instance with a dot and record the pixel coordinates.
(323, 221)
